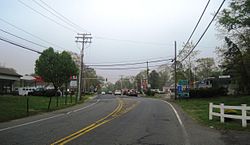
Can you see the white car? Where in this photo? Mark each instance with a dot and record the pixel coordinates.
(118, 92)
(103, 93)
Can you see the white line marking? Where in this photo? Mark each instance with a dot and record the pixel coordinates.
(176, 114)
(86, 106)
(28, 123)
(40, 120)
(182, 125)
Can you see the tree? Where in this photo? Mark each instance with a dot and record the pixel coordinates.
(91, 79)
(154, 79)
(55, 67)
(67, 67)
(234, 24)
(205, 67)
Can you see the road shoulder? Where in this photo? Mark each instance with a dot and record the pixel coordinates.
(210, 135)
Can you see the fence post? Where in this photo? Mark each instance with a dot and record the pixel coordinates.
(222, 119)
(244, 115)
(210, 111)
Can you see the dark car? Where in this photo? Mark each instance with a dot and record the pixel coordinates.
(132, 93)
(37, 92)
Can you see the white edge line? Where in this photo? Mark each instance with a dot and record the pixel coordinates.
(85, 106)
(176, 114)
(40, 120)
(182, 125)
(24, 124)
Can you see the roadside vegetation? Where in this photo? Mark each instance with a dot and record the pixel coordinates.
(14, 107)
(198, 109)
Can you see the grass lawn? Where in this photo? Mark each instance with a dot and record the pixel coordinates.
(198, 110)
(13, 107)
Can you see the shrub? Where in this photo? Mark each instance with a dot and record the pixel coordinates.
(150, 93)
(207, 92)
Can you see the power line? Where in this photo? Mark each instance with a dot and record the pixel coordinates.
(62, 16)
(68, 28)
(55, 14)
(19, 45)
(20, 29)
(194, 28)
(127, 68)
(126, 64)
(23, 39)
(204, 31)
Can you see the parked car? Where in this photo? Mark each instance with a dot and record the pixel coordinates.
(37, 92)
(24, 91)
(103, 93)
(118, 92)
(132, 93)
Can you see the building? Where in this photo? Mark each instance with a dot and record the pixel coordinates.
(8, 77)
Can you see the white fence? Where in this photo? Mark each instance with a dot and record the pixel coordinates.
(222, 115)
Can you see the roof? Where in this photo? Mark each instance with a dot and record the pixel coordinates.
(28, 78)
(9, 71)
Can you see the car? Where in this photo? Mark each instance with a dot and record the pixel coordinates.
(103, 93)
(132, 93)
(118, 92)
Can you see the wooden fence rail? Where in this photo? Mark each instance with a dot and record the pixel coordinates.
(244, 108)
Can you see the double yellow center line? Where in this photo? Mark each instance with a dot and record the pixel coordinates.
(116, 113)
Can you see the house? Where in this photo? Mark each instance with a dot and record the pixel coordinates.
(8, 77)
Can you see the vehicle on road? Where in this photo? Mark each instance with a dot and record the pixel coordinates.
(118, 92)
(132, 92)
(103, 93)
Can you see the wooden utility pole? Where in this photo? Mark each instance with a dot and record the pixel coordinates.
(82, 38)
(175, 71)
(147, 76)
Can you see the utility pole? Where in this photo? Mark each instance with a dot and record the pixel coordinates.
(83, 38)
(175, 71)
(147, 75)
(121, 83)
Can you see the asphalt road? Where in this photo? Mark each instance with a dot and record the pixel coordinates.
(109, 120)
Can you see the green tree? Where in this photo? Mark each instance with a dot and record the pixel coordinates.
(205, 67)
(55, 67)
(234, 25)
(154, 79)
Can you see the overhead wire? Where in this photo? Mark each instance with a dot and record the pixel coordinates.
(204, 31)
(128, 68)
(127, 64)
(194, 28)
(66, 27)
(19, 45)
(23, 38)
(55, 14)
(62, 16)
(37, 37)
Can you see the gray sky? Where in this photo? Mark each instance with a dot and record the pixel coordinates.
(153, 24)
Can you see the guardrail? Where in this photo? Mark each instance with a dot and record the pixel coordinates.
(244, 108)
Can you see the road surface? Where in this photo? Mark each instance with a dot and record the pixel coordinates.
(109, 120)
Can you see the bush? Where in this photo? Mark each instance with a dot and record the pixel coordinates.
(150, 93)
(207, 92)
(51, 93)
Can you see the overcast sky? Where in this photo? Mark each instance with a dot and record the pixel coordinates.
(152, 25)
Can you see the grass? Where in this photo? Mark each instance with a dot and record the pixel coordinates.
(14, 107)
(198, 110)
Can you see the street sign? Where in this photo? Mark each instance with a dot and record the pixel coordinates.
(73, 84)
(183, 88)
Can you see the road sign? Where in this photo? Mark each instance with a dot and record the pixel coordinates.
(73, 84)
